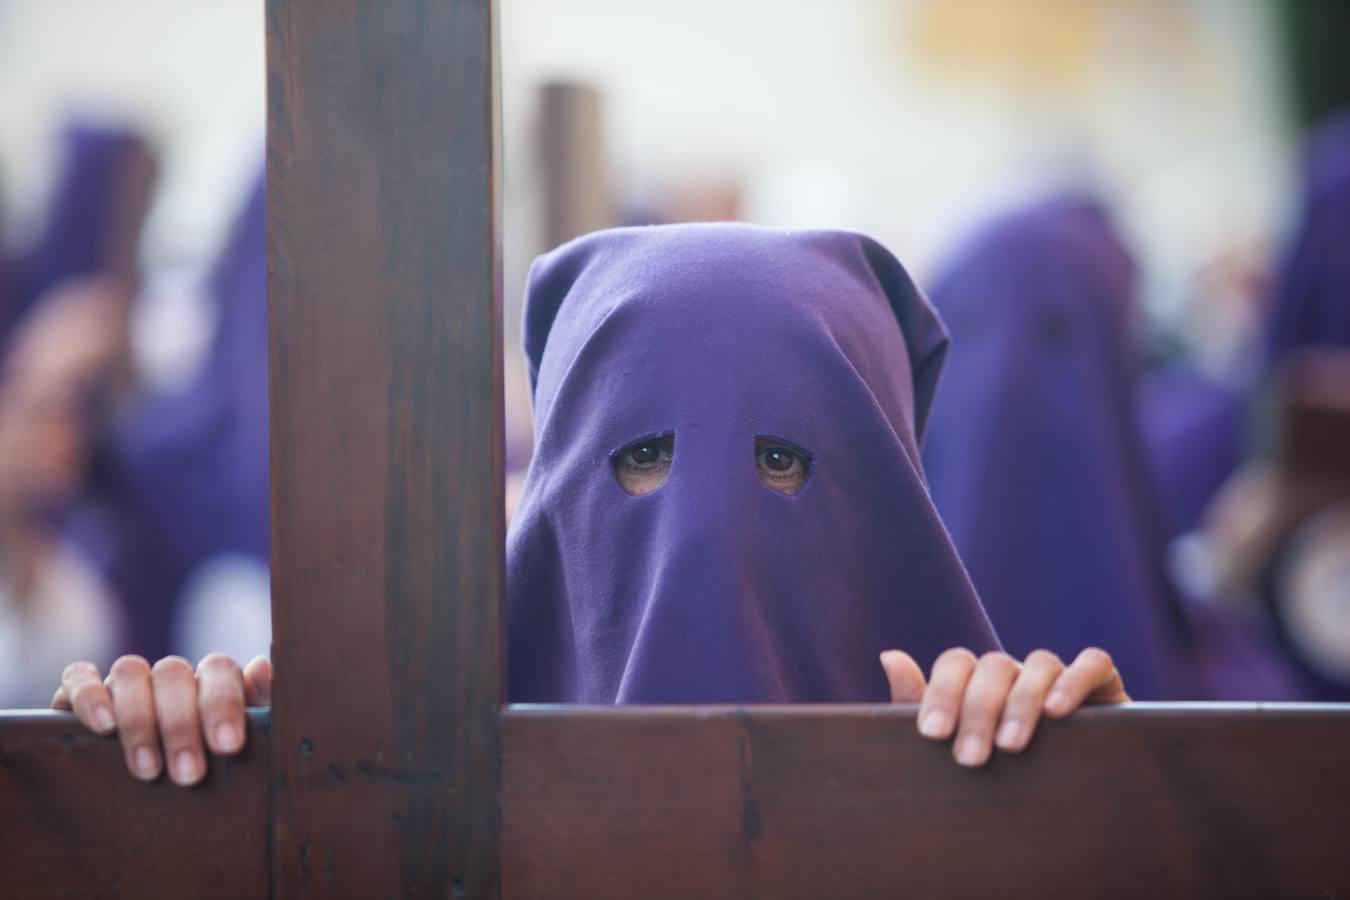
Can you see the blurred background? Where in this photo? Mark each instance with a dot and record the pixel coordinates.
(1185, 155)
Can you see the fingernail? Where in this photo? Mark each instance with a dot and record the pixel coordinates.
(103, 717)
(1010, 735)
(227, 739)
(146, 765)
(185, 767)
(971, 751)
(934, 724)
(1057, 702)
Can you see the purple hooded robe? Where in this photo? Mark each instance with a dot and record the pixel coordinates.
(717, 587)
(1038, 468)
(86, 218)
(1311, 305)
(1032, 452)
(188, 477)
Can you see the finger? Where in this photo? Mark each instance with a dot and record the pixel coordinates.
(986, 694)
(134, 703)
(1092, 676)
(942, 697)
(905, 676)
(60, 700)
(220, 703)
(175, 688)
(1025, 700)
(258, 682)
(83, 687)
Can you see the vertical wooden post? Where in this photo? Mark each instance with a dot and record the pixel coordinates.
(569, 151)
(386, 430)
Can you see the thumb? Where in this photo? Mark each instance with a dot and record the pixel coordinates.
(258, 682)
(905, 676)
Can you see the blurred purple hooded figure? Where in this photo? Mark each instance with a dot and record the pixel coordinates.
(1196, 429)
(92, 222)
(189, 476)
(1032, 456)
(717, 587)
(1311, 304)
(1039, 472)
(1310, 310)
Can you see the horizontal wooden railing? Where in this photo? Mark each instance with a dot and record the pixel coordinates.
(73, 823)
(831, 802)
(846, 801)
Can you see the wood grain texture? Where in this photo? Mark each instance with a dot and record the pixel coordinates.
(74, 824)
(387, 504)
(1151, 801)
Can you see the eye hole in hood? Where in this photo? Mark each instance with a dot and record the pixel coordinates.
(781, 464)
(644, 465)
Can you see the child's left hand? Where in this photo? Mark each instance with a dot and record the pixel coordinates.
(972, 697)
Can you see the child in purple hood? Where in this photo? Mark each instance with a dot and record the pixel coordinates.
(725, 505)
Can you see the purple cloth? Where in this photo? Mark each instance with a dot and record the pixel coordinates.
(80, 232)
(189, 475)
(716, 587)
(1311, 305)
(1195, 428)
(1032, 453)
(1194, 431)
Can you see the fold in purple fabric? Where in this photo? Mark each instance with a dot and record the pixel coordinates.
(189, 476)
(1310, 308)
(1032, 453)
(1194, 431)
(717, 587)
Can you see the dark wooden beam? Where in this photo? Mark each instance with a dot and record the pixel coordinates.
(74, 824)
(1157, 801)
(1152, 801)
(387, 513)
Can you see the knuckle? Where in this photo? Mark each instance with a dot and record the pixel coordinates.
(978, 718)
(220, 663)
(172, 665)
(86, 692)
(1044, 658)
(1096, 657)
(130, 667)
(176, 724)
(81, 669)
(214, 695)
(979, 708)
(998, 661)
(177, 736)
(1023, 699)
(957, 655)
(979, 727)
(135, 722)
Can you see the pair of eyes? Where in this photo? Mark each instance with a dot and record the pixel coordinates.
(643, 466)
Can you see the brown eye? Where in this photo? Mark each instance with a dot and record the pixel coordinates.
(647, 454)
(781, 466)
(644, 465)
(779, 459)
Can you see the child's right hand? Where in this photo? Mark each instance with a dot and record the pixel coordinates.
(169, 706)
